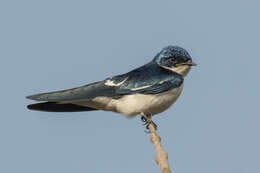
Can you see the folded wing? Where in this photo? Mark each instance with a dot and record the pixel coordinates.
(148, 79)
(82, 93)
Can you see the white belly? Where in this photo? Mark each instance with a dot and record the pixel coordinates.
(149, 104)
(131, 105)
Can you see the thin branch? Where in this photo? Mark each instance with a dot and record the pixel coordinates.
(161, 155)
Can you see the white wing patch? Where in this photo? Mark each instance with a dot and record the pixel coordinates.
(162, 81)
(110, 82)
(138, 88)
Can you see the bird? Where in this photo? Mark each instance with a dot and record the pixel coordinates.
(147, 90)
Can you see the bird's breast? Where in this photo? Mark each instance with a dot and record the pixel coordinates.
(151, 104)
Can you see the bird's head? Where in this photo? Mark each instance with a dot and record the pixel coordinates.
(174, 58)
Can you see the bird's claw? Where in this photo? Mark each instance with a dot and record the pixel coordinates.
(148, 121)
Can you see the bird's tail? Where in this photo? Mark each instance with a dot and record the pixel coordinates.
(58, 107)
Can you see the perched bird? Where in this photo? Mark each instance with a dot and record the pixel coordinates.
(147, 90)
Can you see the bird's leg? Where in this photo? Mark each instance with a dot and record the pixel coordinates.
(148, 121)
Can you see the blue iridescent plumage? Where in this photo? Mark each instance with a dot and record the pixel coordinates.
(148, 79)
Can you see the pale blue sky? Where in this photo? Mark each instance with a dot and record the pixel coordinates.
(51, 45)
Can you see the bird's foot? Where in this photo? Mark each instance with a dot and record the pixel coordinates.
(148, 121)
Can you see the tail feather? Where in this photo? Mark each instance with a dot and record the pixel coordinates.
(58, 107)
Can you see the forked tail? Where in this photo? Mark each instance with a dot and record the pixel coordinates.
(58, 107)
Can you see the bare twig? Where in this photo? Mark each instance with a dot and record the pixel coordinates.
(161, 155)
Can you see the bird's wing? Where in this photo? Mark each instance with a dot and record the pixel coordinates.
(148, 79)
(150, 86)
(86, 92)
(155, 88)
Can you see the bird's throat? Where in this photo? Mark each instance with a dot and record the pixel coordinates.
(182, 70)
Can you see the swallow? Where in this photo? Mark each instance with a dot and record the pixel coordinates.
(147, 90)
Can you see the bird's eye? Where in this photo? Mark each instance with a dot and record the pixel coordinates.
(173, 60)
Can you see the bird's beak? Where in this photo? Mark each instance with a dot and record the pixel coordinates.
(189, 63)
(192, 64)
